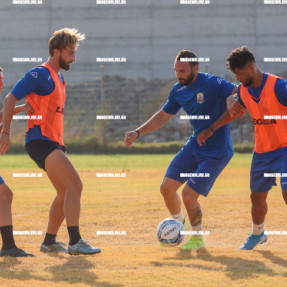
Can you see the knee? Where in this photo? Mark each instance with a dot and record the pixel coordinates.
(61, 198)
(78, 185)
(6, 194)
(75, 185)
(165, 190)
(258, 198)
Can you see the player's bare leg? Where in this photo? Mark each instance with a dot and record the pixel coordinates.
(259, 206)
(172, 200)
(59, 168)
(284, 194)
(9, 247)
(56, 218)
(168, 190)
(190, 199)
(65, 176)
(56, 214)
(6, 197)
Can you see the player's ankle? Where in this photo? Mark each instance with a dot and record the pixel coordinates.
(257, 229)
(178, 216)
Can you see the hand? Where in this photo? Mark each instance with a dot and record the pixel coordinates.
(4, 143)
(203, 136)
(21, 108)
(130, 137)
(234, 107)
(29, 108)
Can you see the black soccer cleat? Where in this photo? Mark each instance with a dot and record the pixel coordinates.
(15, 252)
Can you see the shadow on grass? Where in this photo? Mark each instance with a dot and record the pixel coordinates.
(235, 267)
(273, 258)
(74, 270)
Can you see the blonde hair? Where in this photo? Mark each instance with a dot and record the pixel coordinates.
(64, 38)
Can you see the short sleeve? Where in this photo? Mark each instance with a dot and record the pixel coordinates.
(224, 87)
(29, 83)
(171, 106)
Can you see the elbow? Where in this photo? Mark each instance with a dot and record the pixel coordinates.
(10, 99)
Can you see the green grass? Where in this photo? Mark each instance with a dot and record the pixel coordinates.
(118, 161)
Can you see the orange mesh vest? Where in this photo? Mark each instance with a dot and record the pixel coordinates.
(51, 108)
(270, 134)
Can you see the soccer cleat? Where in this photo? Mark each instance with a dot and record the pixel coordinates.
(15, 252)
(82, 247)
(53, 248)
(253, 240)
(194, 242)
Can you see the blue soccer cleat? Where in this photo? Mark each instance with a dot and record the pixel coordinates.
(82, 247)
(253, 240)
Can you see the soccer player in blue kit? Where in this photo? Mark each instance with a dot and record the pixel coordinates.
(9, 247)
(199, 94)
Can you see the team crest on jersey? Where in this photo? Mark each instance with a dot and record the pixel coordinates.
(200, 98)
(219, 81)
(34, 75)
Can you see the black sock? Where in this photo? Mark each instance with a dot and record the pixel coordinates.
(7, 237)
(74, 234)
(50, 239)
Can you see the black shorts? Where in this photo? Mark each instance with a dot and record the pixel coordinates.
(38, 150)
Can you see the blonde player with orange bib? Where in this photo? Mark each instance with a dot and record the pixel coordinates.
(44, 89)
(265, 97)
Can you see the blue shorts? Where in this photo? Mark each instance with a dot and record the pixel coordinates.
(268, 162)
(1, 180)
(199, 172)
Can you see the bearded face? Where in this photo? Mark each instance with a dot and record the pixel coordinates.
(184, 73)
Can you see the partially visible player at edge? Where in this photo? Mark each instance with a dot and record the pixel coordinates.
(44, 89)
(9, 247)
(263, 95)
(198, 94)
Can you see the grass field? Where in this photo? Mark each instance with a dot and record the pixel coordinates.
(134, 204)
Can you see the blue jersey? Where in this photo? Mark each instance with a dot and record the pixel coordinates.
(205, 97)
(39, 81)
(280, 91)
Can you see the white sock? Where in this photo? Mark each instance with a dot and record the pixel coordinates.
(198, 229)
(178, 217)
(257, 228)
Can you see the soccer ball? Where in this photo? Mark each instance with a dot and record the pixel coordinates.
(169, 232)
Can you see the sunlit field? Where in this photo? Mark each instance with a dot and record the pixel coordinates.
(133, 206)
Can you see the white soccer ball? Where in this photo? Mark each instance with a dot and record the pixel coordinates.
(169, 232)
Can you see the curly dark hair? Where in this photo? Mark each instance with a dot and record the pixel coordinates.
(239, 57)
